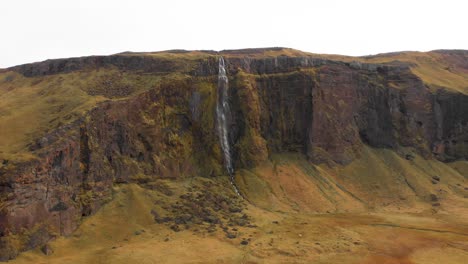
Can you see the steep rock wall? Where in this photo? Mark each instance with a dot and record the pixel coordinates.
(325, 109)
(328, 111)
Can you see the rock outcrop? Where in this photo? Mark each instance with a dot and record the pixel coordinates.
(324, 108)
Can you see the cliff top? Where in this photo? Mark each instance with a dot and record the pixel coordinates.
(439, 68)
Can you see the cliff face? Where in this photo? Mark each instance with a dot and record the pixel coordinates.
(324, 108)
(328, 109)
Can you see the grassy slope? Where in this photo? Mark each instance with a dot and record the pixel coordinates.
(433, 68)
(288, 228)
(30, 107)
(379, 180)
(109, 236)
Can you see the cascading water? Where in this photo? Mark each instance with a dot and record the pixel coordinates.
(223, 115)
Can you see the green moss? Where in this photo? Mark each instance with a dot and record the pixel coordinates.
(207, 151)
(251, 147)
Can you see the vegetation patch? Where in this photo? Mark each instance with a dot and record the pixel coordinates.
(205, 207)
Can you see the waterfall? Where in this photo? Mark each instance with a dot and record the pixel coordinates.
(223, 115)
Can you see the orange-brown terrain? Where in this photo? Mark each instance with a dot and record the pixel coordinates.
(118, 159)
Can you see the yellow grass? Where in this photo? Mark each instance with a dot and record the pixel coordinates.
(430, 67)
(284, 196)
(30, 107)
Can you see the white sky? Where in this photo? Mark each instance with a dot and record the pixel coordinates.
(35, 30)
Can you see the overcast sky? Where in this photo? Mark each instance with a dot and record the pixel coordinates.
(35, 30)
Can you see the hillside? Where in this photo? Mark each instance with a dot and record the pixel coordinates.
(301, 214)
(93, 150)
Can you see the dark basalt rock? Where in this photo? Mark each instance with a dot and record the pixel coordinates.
(47, 249)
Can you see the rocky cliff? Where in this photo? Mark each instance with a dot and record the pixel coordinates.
(151, 115)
